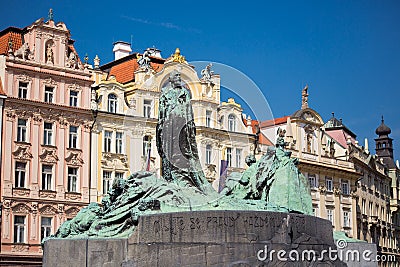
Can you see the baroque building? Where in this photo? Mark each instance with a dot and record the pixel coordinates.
(125, 99)
(356, 190)
(46, 135)
(324, 161)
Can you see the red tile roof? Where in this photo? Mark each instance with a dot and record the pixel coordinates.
(276, 121)
(7, 35)
(262, 138)
(124, 71)
(1, 88)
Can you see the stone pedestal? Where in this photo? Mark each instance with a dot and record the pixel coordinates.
(205, 238)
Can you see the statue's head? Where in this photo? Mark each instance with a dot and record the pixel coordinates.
(175, 78)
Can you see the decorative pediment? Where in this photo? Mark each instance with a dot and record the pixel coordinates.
(48, 210)
(49, 81)
(74, 87)
(24, 78)
(71, 212)
(22, 152)
(308, 115)
(21, 208)
(49, 155)
(74, 158)
(117, 161)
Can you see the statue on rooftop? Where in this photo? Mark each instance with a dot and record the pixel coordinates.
(206, 74)
(144, 60)
(304, 97)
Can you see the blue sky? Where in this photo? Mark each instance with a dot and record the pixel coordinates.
(348, 52)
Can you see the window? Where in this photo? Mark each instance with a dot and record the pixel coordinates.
(118, 142)
(231, 123)
(112, 103)
(73, 137)
(312, 180)
(208, 154)
(119, 175)
(72, 179)
(19, 229)
(107, 141)
(363, 205)
(208, 118)
(22, 89)
(73, 98)
(146, 145)
(346, 219)
(20, 170)
(48, 133)
(106, 181)
(147, 108)
(48, 94)
(229, 156)
(45, 227)
(345, 187)
(21, 131)
(238, 158)
(330, 215)
(329, 184)
(315, 211)
(47, 173)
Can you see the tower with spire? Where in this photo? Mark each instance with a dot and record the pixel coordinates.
(384, 145)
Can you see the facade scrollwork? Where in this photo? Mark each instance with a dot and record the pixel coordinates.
(337, 191)
(48, 210)
(322, 189)
(10, 114)
(49, 155)
(113, 160)
(71, 212)
(75, 159)
(47, 194)
(23, 78)
(22, 152)
(21, 208)
(50, 82)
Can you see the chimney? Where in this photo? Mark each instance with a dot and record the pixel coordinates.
(121, 49)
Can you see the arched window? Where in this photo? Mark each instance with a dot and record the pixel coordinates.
(231, 123)
(208, 154)
(112, 103)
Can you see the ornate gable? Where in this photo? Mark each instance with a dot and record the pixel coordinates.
(48, 210)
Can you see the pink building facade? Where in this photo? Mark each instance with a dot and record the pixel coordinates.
(46, 136)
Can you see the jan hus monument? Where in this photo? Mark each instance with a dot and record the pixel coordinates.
(180, 220)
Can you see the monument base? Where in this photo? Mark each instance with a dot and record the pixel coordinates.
(206, 238)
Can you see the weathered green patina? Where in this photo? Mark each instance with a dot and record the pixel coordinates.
(272, 183)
